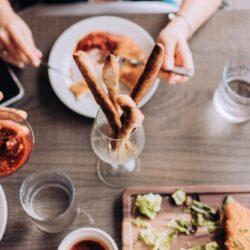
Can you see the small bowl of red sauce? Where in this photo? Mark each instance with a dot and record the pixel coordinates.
(88, 238)
(16, 142)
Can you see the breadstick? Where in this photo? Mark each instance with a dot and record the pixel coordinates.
(99, 94)
(134, 116)
(149, 73)
(110, 75)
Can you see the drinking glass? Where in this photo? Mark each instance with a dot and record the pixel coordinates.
(232, 97)
(48, 198)
(118, 162)
(16, 142)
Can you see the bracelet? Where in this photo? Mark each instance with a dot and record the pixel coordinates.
(173, 16)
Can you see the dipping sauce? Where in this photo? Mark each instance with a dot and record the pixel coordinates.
(105, 42)
(14, 150)
(89, 245)
(99, 44)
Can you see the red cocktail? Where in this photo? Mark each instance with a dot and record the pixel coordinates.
(16, 142)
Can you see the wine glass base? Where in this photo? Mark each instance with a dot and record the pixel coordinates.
(118, 176)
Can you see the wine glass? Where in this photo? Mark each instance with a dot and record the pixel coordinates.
(16, 142)
(118, 163)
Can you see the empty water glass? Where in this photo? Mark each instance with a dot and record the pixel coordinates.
(232, 97)
(48, 198)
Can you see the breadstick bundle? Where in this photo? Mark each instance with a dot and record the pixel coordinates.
(112, 103)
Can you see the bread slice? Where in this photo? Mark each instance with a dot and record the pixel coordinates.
(79, 88)
(237, 227)
(129, 75)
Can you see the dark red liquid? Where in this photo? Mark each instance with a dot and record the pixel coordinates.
(89, 245)
(98, 40)
(14, 150)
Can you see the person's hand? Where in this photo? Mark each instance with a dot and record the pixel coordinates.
(177, 53)
(16, 42)
(21, 113)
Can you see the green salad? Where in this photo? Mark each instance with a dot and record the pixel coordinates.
(202, 215)
(149, 204)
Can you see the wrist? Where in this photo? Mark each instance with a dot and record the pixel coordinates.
(180, 28)
(181, 24)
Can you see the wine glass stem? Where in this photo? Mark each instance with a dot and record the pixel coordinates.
(128, 166)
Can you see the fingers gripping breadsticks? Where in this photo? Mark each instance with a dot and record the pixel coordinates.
(110, 75)
(149, 73)
(134, 116)
(100, 96)
(125, 102)
(134, 119)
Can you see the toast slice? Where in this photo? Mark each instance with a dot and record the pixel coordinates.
(237, 227)
(79, 88)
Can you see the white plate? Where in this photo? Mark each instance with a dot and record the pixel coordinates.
(3, 212)
(61, 57)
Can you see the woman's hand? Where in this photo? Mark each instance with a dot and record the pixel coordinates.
(177, 53)
(16, 42)
(22, 113)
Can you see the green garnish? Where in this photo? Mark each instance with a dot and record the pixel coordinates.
(149, 204)
(169, 238)
(159, 241)
(179, 226)
(187, 210)
(183, 223)
(212, 246)
(201, 215)
(196, 247)
(212, 226)
(209, 246)
(203, 207)
(198, 207)
(164, 241)
(179, 197)
(148, 236)
(138, 222)
(198, 220)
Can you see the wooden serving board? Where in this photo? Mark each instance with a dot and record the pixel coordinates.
(211, 195)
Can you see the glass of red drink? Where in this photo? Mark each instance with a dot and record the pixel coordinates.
(16, 142)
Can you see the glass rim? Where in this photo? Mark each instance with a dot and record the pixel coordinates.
(31, 134)
(108, 137)
(44, 171)
(23, 120)
(242, 98)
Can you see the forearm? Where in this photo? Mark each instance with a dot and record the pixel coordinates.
(192, 14)
(197, 12)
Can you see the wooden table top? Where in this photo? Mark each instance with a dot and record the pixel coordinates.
(187, 142)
